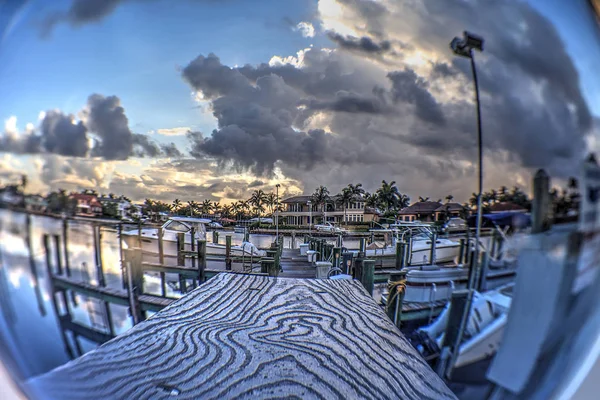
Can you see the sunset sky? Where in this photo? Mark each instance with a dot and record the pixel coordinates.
(196, 99)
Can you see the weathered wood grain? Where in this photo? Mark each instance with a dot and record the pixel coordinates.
(244, 336)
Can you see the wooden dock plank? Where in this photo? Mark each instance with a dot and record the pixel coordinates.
(244, 336)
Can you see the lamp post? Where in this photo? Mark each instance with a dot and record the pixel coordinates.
(464, 47)
(277, 210)
(309, 204)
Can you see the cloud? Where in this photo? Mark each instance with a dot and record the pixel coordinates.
(61, 134)
(80, 12)
(364, 44)
(179, 131)
(104, 123)
(408, 87)
(305, 28)
(333, 115)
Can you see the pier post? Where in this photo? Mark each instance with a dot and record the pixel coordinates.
(180, 247)
(246, 235)
(97, 238)
(457, 309)
(121, 255)
(362, 246)
(347, 262)
(139, 226)
(399, 254)
(59, 268)
(395, 298)
(267, 266)
(133, 263)
(201, 260)
(408, 251)
(540, 207)
(53, 291)
(337, 257)
(372, 237)
(65, 237)
(485, 262)
(161, 261)
(228, 253)
(461, 252)
(340, 241)
(215, 237)
(368, 275)
(293, 242)
(33, 269)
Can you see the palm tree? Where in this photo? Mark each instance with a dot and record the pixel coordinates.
(388, 195)
(176, 205)
(192, 207)
(320, 197)
(23, 181)
(206, 206)
(271, 202)
(423, 199)
(257, 201)
(403, 201)
(344, 198)
(449, 198)
(371, 200)
(216, 208)
(227, 210)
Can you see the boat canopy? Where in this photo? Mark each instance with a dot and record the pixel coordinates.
(185, 224)
(515, 220)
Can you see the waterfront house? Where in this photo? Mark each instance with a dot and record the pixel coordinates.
(296, 211)
(11, 196)
(450, 210)
(424, 211)
(123, 205)
(87, 205)
(35, 202)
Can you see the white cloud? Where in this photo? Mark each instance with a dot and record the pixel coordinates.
(42, 115)
(178, 131)
(29, 128)
(306, 29)
(10, 125)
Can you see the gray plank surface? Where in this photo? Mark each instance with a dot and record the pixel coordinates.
(241, 336)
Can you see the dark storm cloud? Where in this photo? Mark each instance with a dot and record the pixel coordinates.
(170, 150)
(442, 70)
(60, 135)
(349, 102)
(363, 44)
(107, 120)
(258, 111)
(254, 184)
(80, 12)
(409, 87)
(28, 143)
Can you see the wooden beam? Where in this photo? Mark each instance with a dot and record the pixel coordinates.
(255, 337)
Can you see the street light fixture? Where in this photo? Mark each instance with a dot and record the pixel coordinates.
(277, 210)
(309, 204)
(464, 47)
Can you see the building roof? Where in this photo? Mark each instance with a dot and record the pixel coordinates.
(85, 197)
(297, 199)
(421, 207)
(450, 207)
(506, 206)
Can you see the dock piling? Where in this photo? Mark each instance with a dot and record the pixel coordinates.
(368, 275)
(180, 248)
(228, 253)
(201, 246)
(215, 237)
(540, 207)
(133, 263)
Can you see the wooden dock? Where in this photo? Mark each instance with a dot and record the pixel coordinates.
(248, 336)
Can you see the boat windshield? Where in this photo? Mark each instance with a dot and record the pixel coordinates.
(176, 226)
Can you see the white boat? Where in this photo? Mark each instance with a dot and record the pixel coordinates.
(484, 329)
(419, 236)
(170, 229)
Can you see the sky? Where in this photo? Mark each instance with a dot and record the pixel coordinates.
(196, 99)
